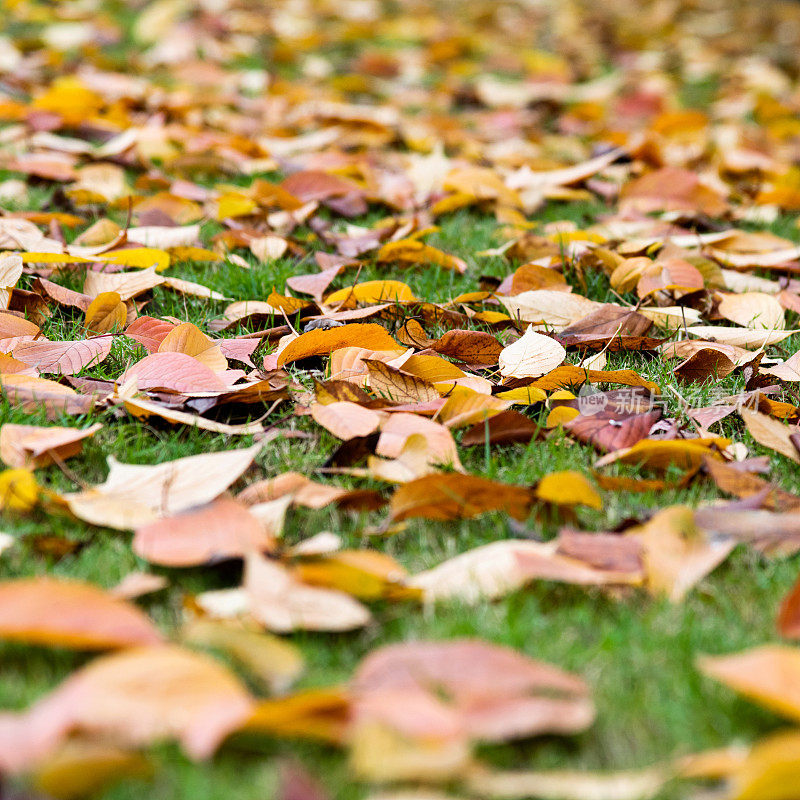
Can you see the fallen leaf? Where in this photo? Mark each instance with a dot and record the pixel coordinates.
(531, 356)
(64, 358)
(105, 314)
(135, 495)
(321, 342)
(457, 496)
(770, 433)
(138, 696)
(58, 613)
(276, 664)
(30, 446)
(223, 529)
(766, 675)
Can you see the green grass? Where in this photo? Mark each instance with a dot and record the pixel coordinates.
(637, 653)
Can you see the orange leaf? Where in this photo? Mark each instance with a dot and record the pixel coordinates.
(319, 342)
(59, 613)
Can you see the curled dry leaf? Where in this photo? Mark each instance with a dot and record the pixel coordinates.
(31, 446)
(400, 426)
(125, 284)
(274, 598)
(135, 495)
(106, 314)
(301, 490)
(659, 454)
(190, 340)
(531, 356)
(58, 613)
(495, 570)
(143, 408)
(223, 529)
(139, 696)
(31, 393)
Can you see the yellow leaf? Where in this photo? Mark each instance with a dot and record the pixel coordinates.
(523, 396)
(18, 490)
(234, 204)
(142, 257)
(189, 339)
(373, 292)
(82, 768)
(771, 770)
(568, 488)
(106, 313)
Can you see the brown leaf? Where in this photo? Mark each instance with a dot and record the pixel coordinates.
(789, 614)
(610, 431)
(58, 613)
(399, 386)
(743, 484)
(704, 365)
(456, 496)
(472, 347)
(506, 427)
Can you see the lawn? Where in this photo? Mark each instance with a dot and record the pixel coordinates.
(637, 651)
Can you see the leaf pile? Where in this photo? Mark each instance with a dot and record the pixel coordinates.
(233, 230)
